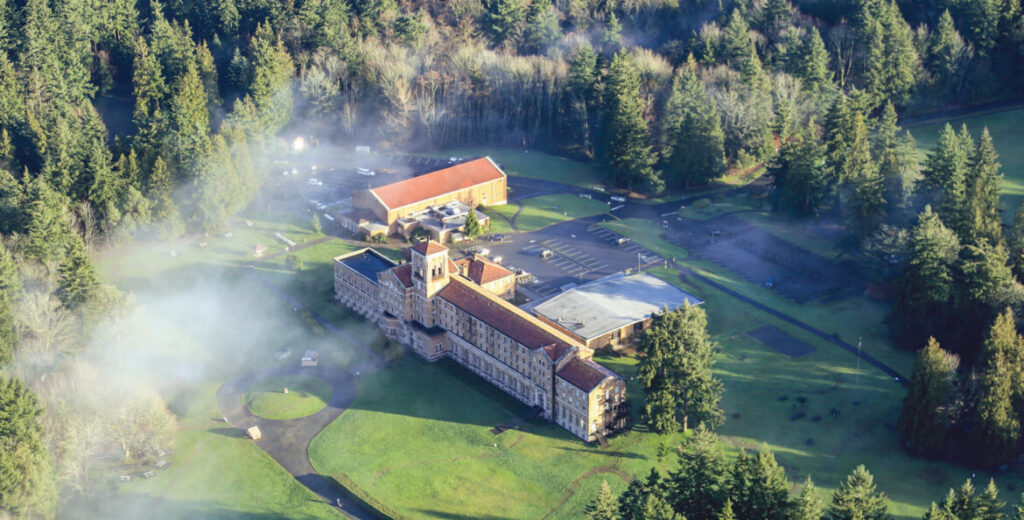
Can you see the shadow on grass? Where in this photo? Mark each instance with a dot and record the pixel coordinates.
(234, 433)
(606, 453)
(154, 508)
(454, 516)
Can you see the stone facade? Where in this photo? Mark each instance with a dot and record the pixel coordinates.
(429, 306)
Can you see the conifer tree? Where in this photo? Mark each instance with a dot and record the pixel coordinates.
(695, 151)
(630, 504)
(77, 280)
(926, 286)
(626, 151)
(503, 21)
(161, 192)
(945, 173)
(656, 508)
(190, 122)
(759, 488)
(542, 29)
(996, 430)
(47, 229)
(856, 499)
(472, 227)
(27, 487)
(604, 506)
(813, 66)
(315, 224)
(727, 511)
(611, 35)
(699, 488)
(1016, 242)
(928, 407)
(867, 197)
(807, 505)
(10, 290)
(983, 193)
(799, 175)
(676, 370)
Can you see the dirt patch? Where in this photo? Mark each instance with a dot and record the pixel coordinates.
(571, 490)
(765, 259)
(777, 340)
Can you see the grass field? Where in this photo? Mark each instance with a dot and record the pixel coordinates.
(306, 396)
(405, 443)
(639, 231)
(1007, 132)
(537, 165)
(543, 211)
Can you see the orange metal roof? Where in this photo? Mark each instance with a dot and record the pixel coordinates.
(435, 184)
(482, 270)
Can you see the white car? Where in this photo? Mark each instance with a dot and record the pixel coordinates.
(366, 172)
(315, 182)
(616, 198)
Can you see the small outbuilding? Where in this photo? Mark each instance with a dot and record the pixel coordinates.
(310, 359)
(254, 433)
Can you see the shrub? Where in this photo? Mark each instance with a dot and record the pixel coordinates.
(702, 203)
(293, 261)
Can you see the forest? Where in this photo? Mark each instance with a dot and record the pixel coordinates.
(122, 119)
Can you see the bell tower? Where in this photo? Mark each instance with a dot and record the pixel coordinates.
(429, 267)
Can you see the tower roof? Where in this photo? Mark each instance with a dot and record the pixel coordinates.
(429, 248)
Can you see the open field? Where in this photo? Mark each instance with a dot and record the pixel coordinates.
(543, 211)
(1007, 133)
(536, 165)
(763, 394)
(641, 232)
(306, 396)
(417, 452)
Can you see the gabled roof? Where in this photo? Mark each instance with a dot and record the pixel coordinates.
(404, 274)
(436, 184)
(481, 270)
(585, 374)
(429, 248)
(505, 318)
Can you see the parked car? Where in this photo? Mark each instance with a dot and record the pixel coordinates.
(547, 253)
(366, 172)
(315, 182)
(617, 198)
(598, 188)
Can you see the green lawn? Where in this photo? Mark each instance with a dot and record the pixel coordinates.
(543, 211)
(215, 472)
(537, 165)
(1007, 133)
(762, 388)
(406, 443)
(701, 212)
(499, 222)
(306, 396)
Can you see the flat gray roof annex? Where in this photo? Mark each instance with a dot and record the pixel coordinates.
(613, 302)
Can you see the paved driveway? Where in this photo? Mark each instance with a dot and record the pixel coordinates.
(287, 442)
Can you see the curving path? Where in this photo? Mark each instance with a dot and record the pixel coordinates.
(287, 441)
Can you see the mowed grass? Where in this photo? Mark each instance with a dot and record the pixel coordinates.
(543, 211)
(533, 164)
(845, 420)
(642, 231)
(1007, 135)
(306, 396)
(215, 472)
(417, 437)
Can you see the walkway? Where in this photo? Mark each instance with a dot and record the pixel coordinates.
(287, 442)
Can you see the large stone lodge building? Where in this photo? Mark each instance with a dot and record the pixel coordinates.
(435, 307)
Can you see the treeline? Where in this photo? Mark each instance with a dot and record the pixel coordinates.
(706, 486)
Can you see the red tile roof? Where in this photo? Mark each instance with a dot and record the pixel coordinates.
(585, 374)
(404, 274)
(482, 270)
(428, 248)
(522, 328)
(435, 184)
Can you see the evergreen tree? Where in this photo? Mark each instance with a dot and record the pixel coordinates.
(945, 174)
(807, 505)
(867, 197)
(727, 511)
(934, 513)
(965, 504)
(77, 280)
(10, 290)
(542, 31)
(604, 506)
(695, 151)
(503, 21)
(813, 64)
(472, 227)
(928, 407)
(26, 479)
(584, 100)
(1016, 242)
(47, 228)
(996, 430)
(856, 499)
(759, 488)
(161, 192)
(626, 151)
(656, 508)
(926, 286)
(989, 505)
(983, 193)
(676, 370)
(799, 175)
(272, 71)
(190, 121)
(698, 489)
(630, 504)
(315, 224)
(611, 35)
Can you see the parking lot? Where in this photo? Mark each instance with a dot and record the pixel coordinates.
(577, 252)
